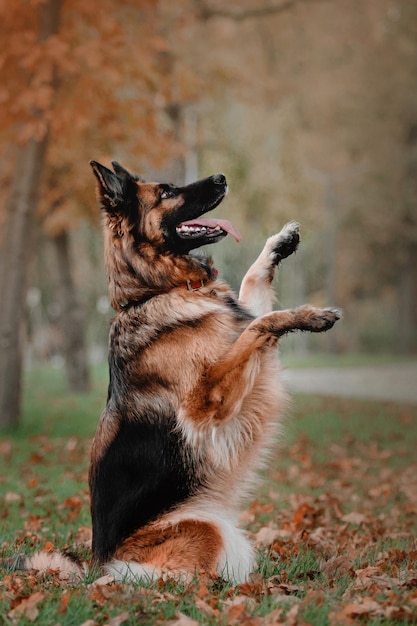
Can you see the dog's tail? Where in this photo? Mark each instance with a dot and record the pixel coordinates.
(69, 565)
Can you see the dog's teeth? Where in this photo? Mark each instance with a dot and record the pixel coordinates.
(184, 228)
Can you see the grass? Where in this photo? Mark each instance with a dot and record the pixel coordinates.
(342, 484)
(49, 409)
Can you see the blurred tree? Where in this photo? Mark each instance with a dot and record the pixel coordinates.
(77, 77)
(324, 87)
(19, 221)
(71, 317)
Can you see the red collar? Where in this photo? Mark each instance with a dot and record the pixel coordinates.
(190, 285)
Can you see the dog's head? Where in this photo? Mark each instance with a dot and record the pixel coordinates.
(163, 215)
(151, 227)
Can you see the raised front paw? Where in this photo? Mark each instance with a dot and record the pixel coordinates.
(317, 320)
(284, 243)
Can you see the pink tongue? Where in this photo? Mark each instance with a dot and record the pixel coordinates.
(212, 223)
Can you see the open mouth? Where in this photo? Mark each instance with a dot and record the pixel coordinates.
(207, 228)
(188, 228)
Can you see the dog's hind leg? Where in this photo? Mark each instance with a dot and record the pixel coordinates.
(256, 292)
(182, 549)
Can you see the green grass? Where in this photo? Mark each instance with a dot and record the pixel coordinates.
(338, 458)
(49, 409)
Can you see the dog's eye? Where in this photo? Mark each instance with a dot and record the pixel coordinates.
(167, 193)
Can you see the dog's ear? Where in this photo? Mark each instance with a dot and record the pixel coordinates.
(110, 187)
(122, 172)
(119, 170)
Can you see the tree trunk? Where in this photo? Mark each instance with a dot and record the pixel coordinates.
(14, 258)
(17, 247)
(407, 302)
(71, 318)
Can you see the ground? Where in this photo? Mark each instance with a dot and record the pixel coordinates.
(391, 382)
(334, 520)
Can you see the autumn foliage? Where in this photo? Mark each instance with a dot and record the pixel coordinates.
(99, 85)
(70, 70)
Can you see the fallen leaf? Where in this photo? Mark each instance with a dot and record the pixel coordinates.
(410, 583)
(203, 591)
(12, 496)
(205, 607)
(288, 589)
(266, 536)
(252, 621)
(305, 516)
(64, 602)
(275, 618)
(35, 522)
(96, 595)
(73, 502)
(399, 613)
(367, 607)
(84, 535)
(236, 613)
(354, 518)
(337, 565)
(284, 549)
(107, 579)
(252, 588)
(369, 571)
(291, 619)
(118, 619)
(5, 448)
(28, 607)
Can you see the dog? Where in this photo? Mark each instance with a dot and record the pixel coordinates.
(194, 397)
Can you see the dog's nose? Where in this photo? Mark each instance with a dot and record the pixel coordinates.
(219, 179)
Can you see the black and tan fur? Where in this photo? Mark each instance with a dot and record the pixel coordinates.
(194, 394)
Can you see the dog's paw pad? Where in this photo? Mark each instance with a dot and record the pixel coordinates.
(323, 319)
(285, 242)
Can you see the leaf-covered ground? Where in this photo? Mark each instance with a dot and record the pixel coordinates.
(334, 521)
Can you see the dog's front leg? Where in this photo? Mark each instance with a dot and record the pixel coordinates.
(256, 292)
(222, 389)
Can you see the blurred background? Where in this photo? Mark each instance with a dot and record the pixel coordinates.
(308, 106)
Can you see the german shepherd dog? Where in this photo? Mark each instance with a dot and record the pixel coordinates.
(194, 396)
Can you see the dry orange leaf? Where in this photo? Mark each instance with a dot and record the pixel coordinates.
(64, 602)
(236, 613)
(367, 607)
(28, 607)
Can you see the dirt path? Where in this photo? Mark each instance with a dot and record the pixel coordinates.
(396, 382)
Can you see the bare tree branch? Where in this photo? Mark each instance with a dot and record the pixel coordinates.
(207, 12)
